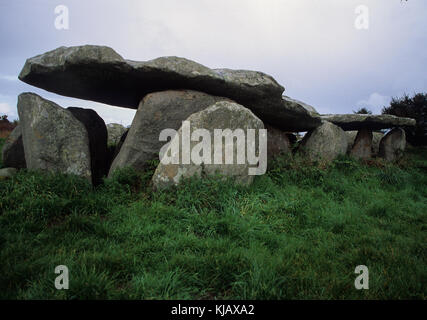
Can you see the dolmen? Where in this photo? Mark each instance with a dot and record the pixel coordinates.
(369, 142)
(230, 121)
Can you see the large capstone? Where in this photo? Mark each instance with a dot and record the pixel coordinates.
(100, 74)
(218, 148)
(97, 133)
(13, 150)
(158, 111)
(369, 121)
(392, 145)
(324, 143)
(54, 140)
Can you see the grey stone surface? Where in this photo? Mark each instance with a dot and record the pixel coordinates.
(306, 106)
(286, 114)
(100, 74)
(120, 143)
(222, 115)
(158, 111)
(392, 145)
(376, 139)
(114, 149)
(351, 136)
(13, 150)
(278, 142)
(325, 143)
(54, 140)
(372, 122)
(97, 133)
(362, 146)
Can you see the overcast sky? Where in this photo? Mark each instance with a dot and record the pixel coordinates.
(311, 47)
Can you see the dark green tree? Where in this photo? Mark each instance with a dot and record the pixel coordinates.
(411, 107)
(363, 111)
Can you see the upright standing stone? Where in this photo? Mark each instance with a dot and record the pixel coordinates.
(119, 145)
(210, 161)
(376, 139)
(362, 147)
(278, 142)
(325, 143)
(351, 137)
(158, 111)
(392, 145)
(13, 150)
(97, 133)
(53, 138)
(114, 150)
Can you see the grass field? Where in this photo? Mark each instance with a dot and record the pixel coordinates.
(297, 233)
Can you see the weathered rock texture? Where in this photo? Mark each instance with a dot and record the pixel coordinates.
(114, 149)
(362, 147)
(53, 138)
(97, 133)
(222, 115)
(120, 143)
(13, 150)
(351, 137)
(100, 74)
(373, 122)
(278, 142)
(376, 139)
(115, 132)
(393, 144)
(295, 102)
(156, 112)
(325, 143)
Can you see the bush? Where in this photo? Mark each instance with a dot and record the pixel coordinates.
(363, 111)
(6, 127)
(416, 108)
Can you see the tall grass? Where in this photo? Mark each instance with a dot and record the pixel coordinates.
(297, 233)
